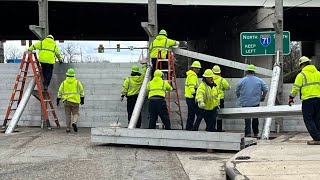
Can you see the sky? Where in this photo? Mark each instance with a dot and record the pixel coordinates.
(89, 49)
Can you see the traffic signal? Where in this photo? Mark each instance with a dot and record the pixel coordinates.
(118, 47)
(100, 48)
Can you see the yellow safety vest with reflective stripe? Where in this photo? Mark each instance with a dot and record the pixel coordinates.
(71, 90)
(47, 50)
(208, 95)
(162, 43)
(131, 85)
(307, 83)
(158, 87)
(191, 84)
(222, 85)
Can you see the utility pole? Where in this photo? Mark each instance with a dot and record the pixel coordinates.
(278, 26)
(279, 51)
(277, 82)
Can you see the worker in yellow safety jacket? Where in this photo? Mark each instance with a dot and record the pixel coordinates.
(48, 51)
(131, 88)
(190, 88)
(157, 88)
(222, 85)
(207, 97)
(307, 83)
(161, 43)
(72, 94)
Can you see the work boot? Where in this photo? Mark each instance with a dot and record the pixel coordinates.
(45, 87)
(75, 128)
(313, 142)
(68, 130)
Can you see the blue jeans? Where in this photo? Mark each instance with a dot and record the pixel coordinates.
(311, 117)
(255, 124)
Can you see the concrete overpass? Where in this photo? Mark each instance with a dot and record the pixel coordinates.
(183, 19)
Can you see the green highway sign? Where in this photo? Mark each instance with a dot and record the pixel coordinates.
(262, 43)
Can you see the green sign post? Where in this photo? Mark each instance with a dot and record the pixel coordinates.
(262, 43)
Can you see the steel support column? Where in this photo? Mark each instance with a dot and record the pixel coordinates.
(42, 30)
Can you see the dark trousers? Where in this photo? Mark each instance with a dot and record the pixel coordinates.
(158, 107)
(47, 72)
(210, 117)
(311, 117)
(255, 125)
(131, 102)
(219, 121)
(193, 110)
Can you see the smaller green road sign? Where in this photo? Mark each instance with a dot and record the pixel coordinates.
(262, 43)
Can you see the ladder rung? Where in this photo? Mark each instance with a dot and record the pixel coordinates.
(30, 75)
(18, 90)
(47, 100)
(13, 109)
(15, 100)
(165, 70)
(21, 80)
(50, 110)
(162, 60)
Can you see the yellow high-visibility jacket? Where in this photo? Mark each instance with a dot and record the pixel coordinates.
(161, 43)
(158, 87)
(132, 84)
(208, 95)
(47, 51)
(222, 85)
(307, 83)
(71, 90)
(191, 84)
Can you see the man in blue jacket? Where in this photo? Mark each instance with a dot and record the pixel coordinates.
(250, 91)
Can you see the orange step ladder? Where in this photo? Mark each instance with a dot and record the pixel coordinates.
(172, 79)
(43, 96)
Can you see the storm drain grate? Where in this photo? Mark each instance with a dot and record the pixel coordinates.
(205, 158)
(242, 157)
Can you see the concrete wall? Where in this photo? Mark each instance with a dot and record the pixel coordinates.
(102, 83)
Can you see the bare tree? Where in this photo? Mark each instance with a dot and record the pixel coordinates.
(69, 52)
(290, 62)
(90, 59)
(12, 52)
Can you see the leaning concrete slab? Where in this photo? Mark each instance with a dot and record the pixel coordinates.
(169, 138)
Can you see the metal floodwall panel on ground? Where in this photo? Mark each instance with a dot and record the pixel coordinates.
(103, 83)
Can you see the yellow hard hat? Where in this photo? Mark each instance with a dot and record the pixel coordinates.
(50, 36)
(216, 69)
(303, 59)
(196, 64)
(163, 32)
(208, 73)
(157, 73)
(251, 67)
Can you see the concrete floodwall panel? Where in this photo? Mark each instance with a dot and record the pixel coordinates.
(102, 83)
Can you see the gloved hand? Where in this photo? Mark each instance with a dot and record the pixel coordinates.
(202, 105)
(82, 100)
(121, 98)
(262, 99)
(60, 62)
(290, 100)
(58, 101)
(177, 43)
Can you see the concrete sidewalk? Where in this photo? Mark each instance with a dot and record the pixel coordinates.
(33, 153)
(286, 157)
